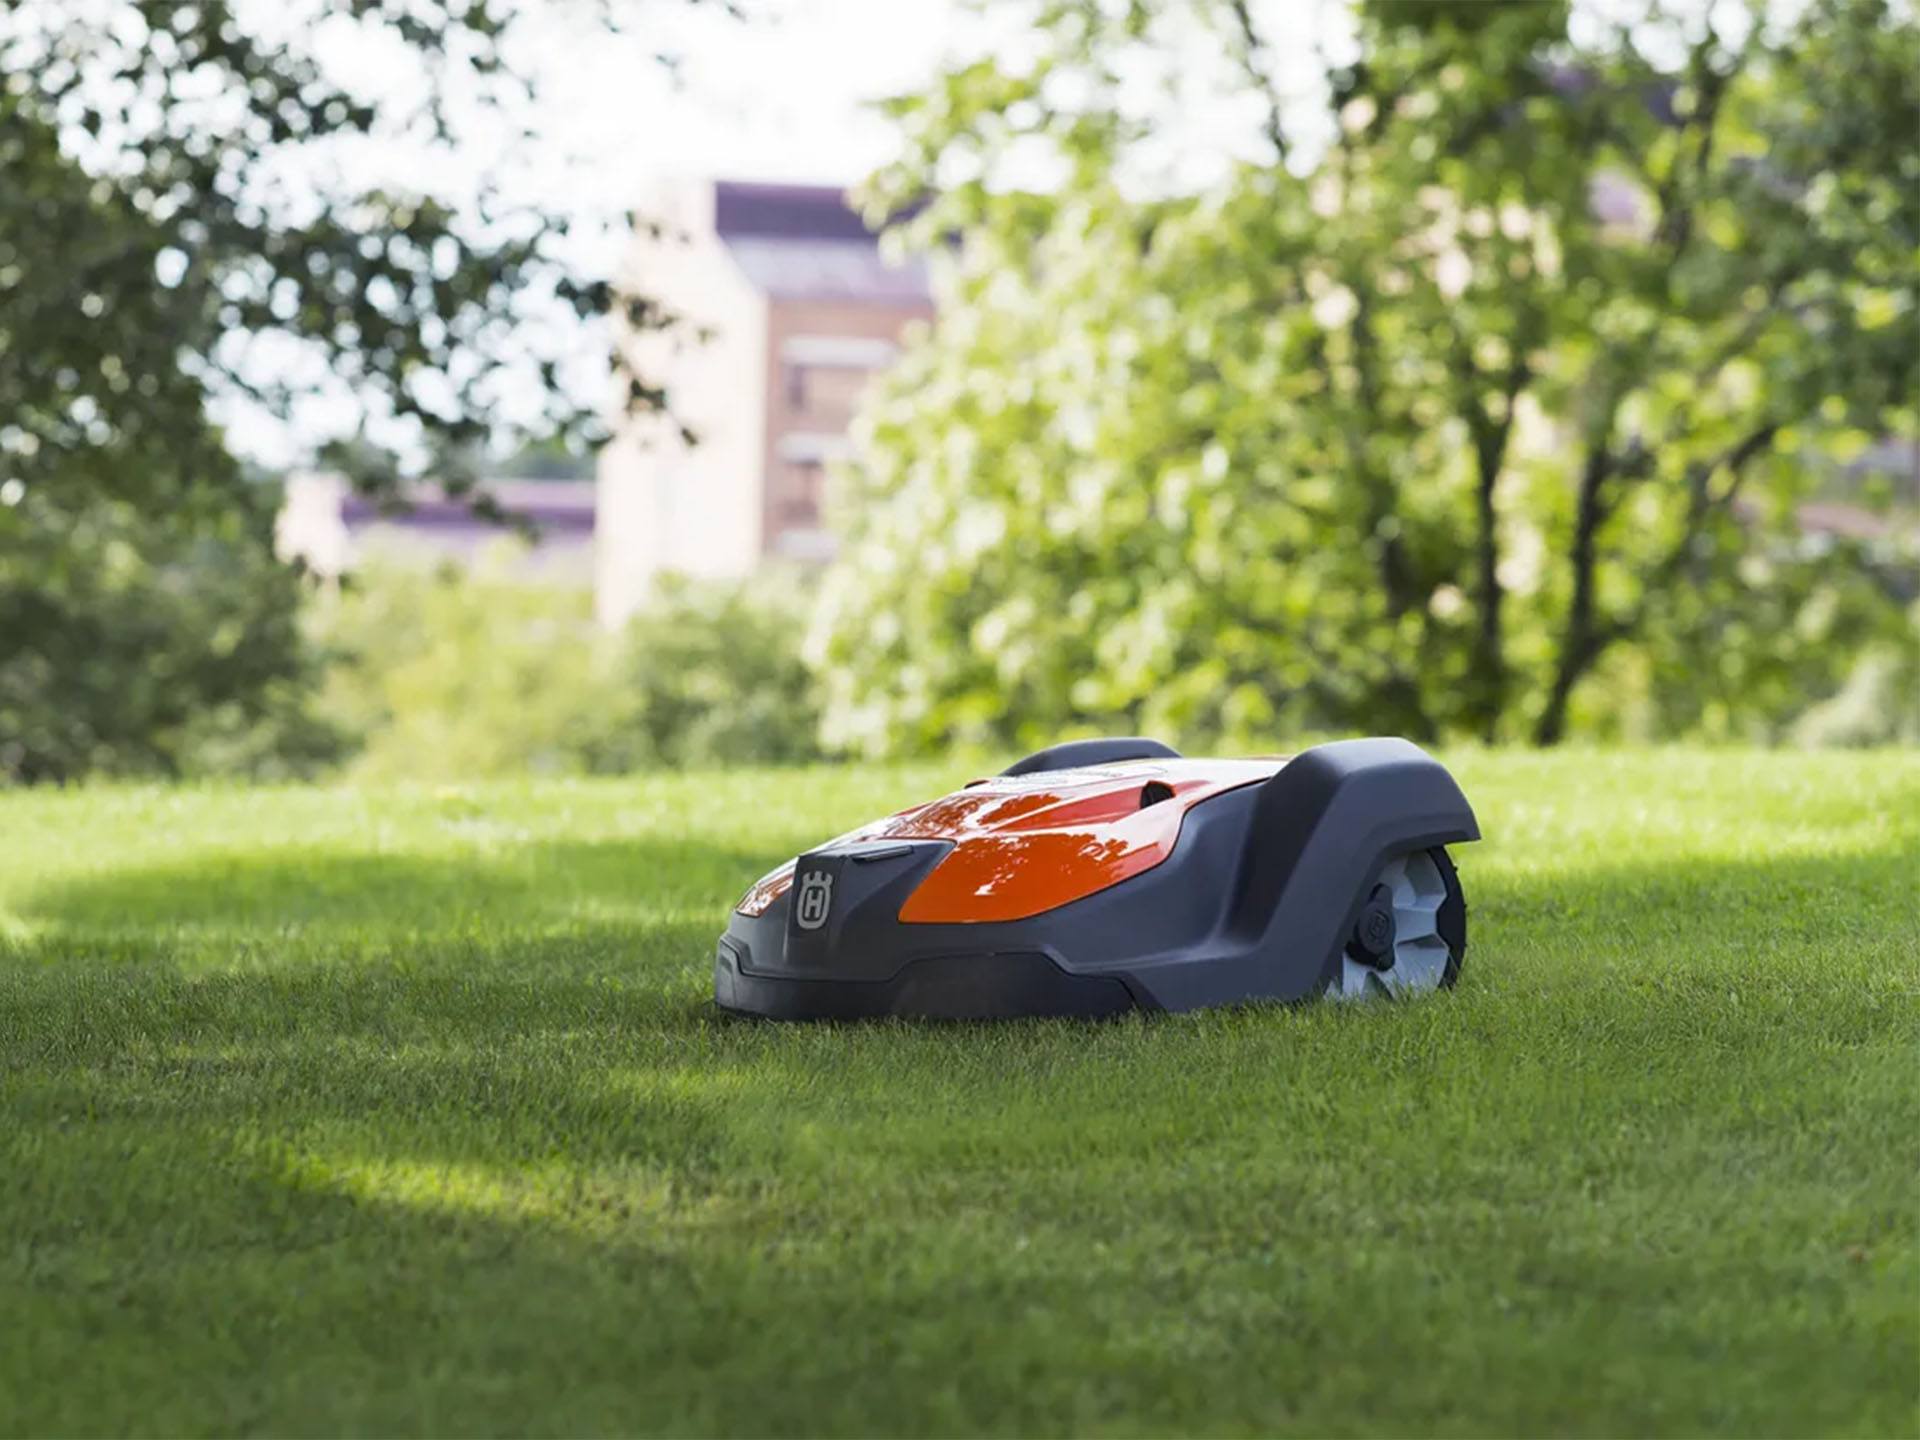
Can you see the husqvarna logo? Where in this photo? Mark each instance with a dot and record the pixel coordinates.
(814, 900)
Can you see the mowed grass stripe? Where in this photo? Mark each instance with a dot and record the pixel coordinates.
(337, 1111)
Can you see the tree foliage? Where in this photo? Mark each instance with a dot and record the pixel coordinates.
(1490, 414)
(167, 644)
(175, 229)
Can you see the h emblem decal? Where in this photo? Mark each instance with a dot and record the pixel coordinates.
(814, 900)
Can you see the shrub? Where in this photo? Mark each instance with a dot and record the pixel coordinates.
(445, 675)
(712, 675)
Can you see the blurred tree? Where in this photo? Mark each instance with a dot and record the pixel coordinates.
(139, 642)
(711, 675)
(445, 675)
(138, 593)
(451, 675)
(173, 229)
(1498, 398)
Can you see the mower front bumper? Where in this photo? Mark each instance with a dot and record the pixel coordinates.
(946, 987)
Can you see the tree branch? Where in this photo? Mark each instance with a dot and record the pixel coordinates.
(1700, 502)
(1248, 54)
(1586, 637)
(1380, 489)
(1582, 640)
(1490, 440)
(1675, 228)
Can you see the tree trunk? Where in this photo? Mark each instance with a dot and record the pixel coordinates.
(1580, 646)
(1489, 649)
(1489, 659)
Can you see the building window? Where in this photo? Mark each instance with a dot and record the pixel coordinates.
(824, 374)
(832, 390)
(803, 486)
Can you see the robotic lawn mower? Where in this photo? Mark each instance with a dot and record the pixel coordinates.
(1109, 875)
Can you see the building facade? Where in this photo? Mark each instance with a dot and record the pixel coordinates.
(783, 311)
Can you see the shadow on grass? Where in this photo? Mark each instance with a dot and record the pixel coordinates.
(540, 938)
(357, 894)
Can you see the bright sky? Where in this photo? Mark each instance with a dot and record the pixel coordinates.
(780, 96)
(785, 94)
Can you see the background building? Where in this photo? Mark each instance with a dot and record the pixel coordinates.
(786, 310)
(325, 524)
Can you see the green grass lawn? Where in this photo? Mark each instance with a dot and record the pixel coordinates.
(357, 1111)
